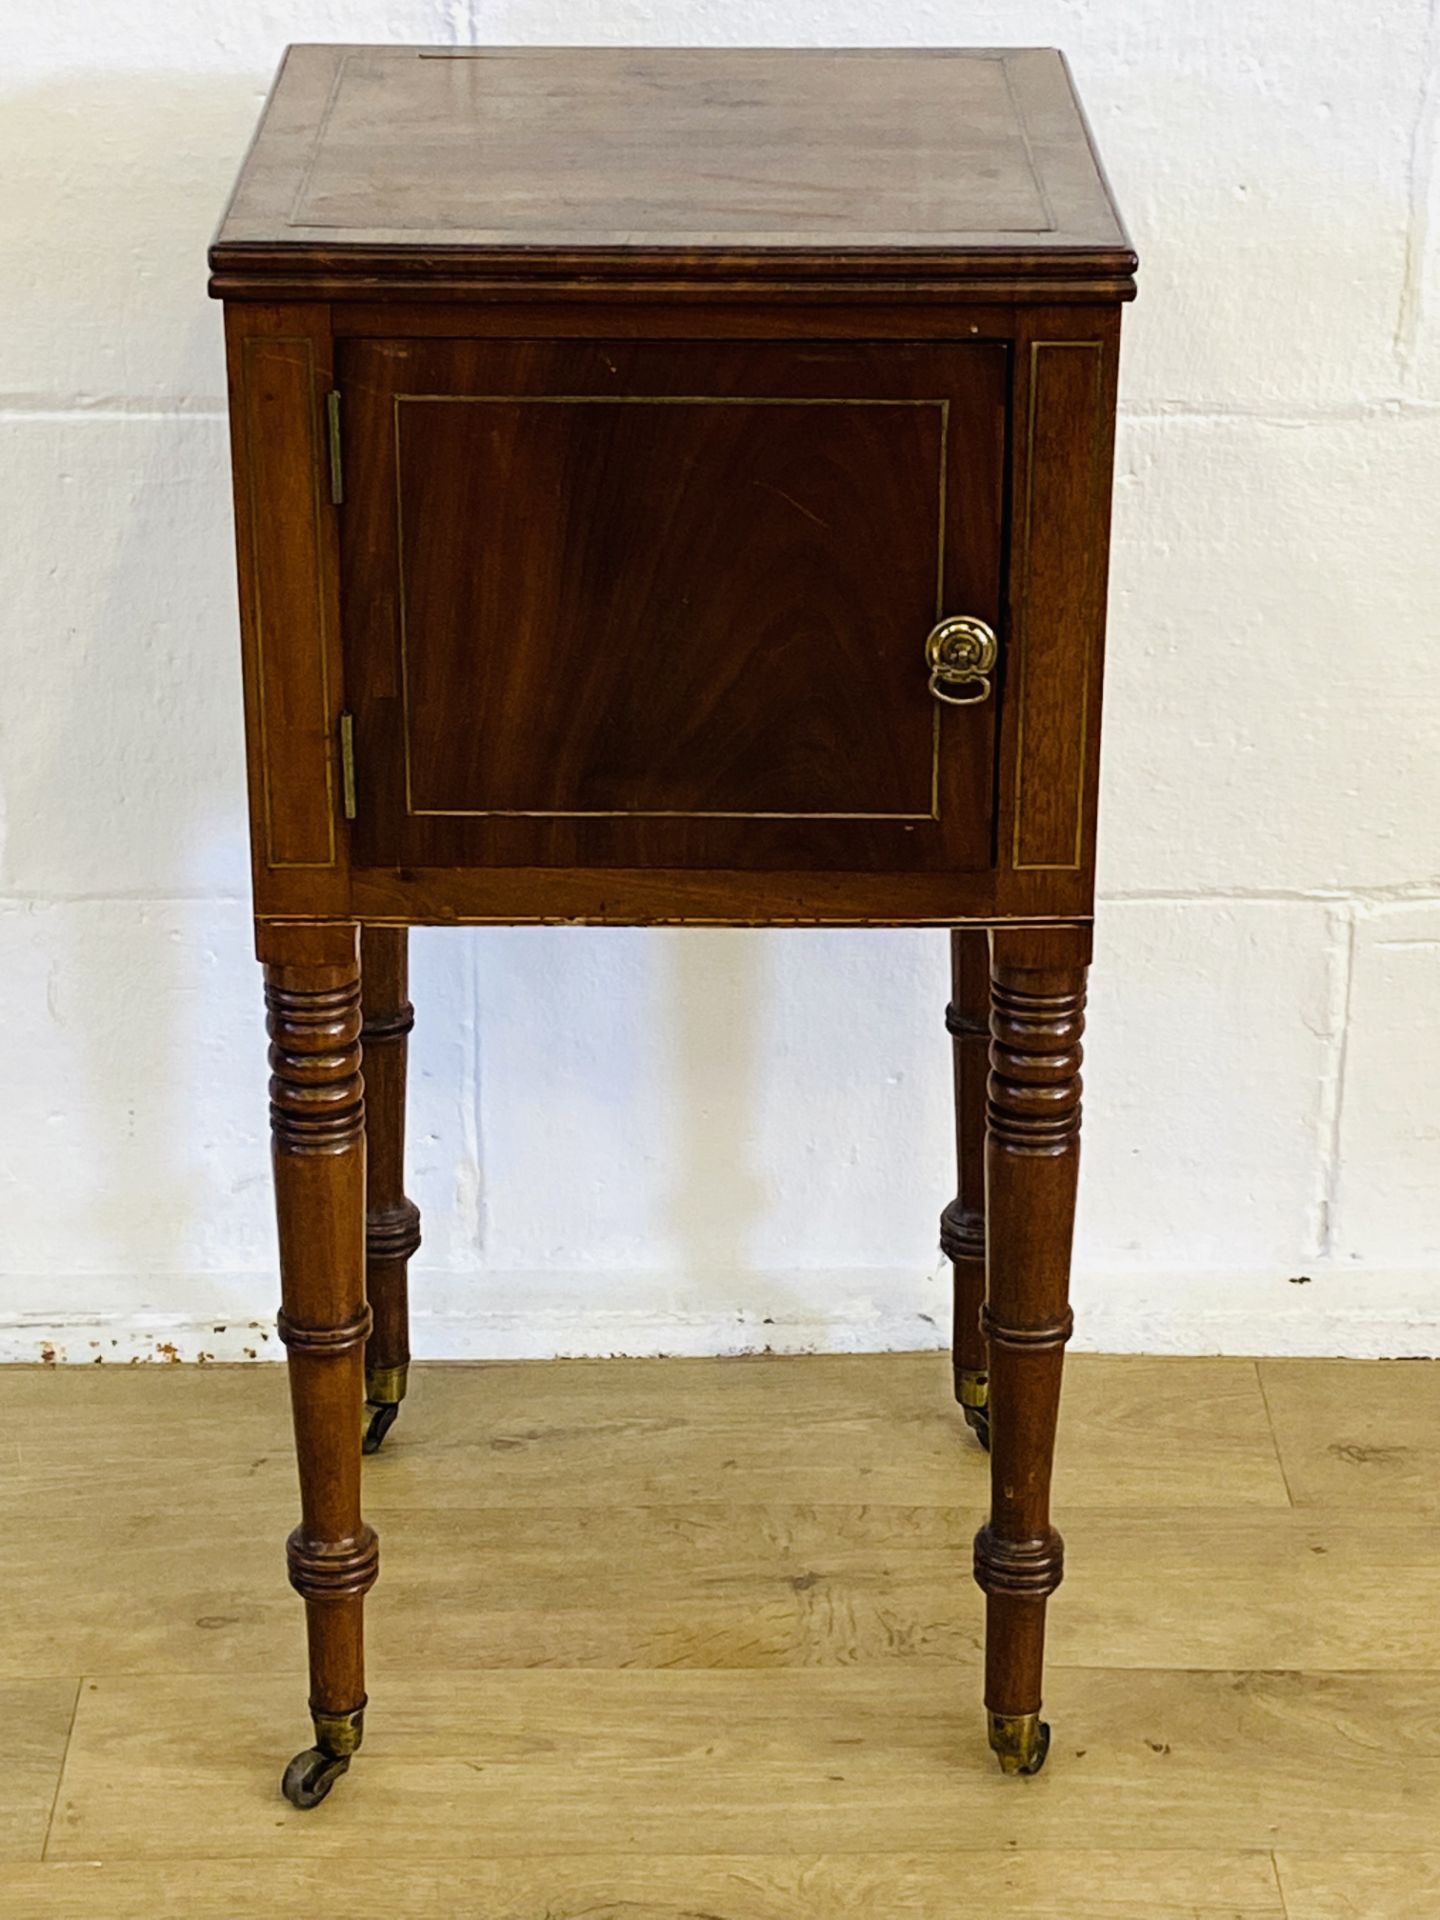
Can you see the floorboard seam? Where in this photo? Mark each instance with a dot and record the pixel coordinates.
(60, 1772)
(1274, 1435)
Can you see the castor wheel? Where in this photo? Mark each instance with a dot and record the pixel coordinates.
(311, 1775)
(978, 1421)
(1019, 1741)
(380, 1416)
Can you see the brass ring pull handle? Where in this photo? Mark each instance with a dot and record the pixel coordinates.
(960, 653)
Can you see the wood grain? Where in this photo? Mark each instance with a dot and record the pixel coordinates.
(619, 610)
(690, 897)
(813, 1429)
(619, 1886)
(846, 1428)
(1353, 1433)
(795, 1761)
(1032, 1169)
(743, 1708)
(723, 1585)
(317, 1126)
(962, 1224)
(659, 673)
(37, 1713)
(1064, 409)
(1360, 1886)
(761, 1513)
(618, 605)
(279, 371)
(392, 1220)
(787, 165)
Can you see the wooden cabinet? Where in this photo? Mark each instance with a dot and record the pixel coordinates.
(671, 487)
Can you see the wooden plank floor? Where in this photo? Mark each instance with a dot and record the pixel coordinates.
(664, 1639)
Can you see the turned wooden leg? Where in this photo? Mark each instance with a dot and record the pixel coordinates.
(392, 1223)
(962, 1224)
(317, 1119)
(1032, 1158)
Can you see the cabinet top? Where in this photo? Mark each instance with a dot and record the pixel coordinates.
(394, 168)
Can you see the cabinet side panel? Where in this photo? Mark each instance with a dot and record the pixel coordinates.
(1063, 456)
(279, 374)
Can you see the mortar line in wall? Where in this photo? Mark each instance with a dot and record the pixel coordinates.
(13, 409)
(458, 24)
(1330, 1116)
(1379, 407)
(1401, 895)
(10, 897)
(1419, 169)
(472, 1132)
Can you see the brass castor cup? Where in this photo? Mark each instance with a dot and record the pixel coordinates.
(311, 1774)
(972, 1390)
(384, 1390)
(1019, 1741)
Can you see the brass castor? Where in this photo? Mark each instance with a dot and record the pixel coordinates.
(972, 1390)
(384, 1390)
(380, 1416)
(310, 1776)
(1019, 1741)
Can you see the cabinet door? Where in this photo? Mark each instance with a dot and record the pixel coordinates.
(665, 604)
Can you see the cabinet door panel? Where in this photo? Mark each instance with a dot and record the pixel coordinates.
(666, 604)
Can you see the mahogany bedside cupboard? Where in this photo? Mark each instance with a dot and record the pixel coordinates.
(672, 488)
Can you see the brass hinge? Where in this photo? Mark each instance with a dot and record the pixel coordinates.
(332, 423)
(347, 764)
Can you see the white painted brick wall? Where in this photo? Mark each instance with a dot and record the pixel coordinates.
(690, 1142)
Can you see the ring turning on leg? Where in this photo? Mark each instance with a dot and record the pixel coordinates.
(392, 1222)
(317, 1117)
(1032, 1152)
(962, 1224)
